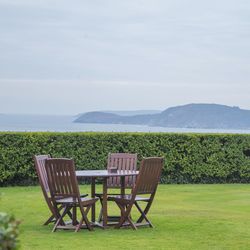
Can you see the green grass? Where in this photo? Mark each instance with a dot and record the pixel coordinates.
(184, 216)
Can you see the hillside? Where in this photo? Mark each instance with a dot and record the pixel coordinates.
(209, 116)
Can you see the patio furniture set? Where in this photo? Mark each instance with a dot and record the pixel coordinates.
(59, 184)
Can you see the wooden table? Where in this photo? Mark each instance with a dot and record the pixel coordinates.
(104, 175)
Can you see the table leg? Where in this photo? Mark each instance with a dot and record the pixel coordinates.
(74, 220)
(93, 196)
(122, 185)
(104, 205)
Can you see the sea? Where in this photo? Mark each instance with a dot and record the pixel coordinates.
(65, 123)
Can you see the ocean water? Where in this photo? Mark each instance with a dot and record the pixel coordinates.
(66, 124)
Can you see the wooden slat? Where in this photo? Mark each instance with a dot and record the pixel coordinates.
(61, 177)
(41, 172)
(123, 161)
(149, 176)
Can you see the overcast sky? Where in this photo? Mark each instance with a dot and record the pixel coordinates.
(68, 57)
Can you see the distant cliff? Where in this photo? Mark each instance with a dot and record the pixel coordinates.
(206, 116)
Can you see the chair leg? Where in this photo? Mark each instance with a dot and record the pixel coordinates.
(125, 215)
(49, 220)
(87, 210)
(78, 227)
(143, 215)
(60, 219)
(123, 218)
(145, 211)
(100, 214)
(52, 218)
(70, 215)
(85, 219)
(131, 223)
(82, 219)
(74, 219)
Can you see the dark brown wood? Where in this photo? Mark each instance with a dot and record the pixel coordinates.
(104, 203)
(103, 174)
(121, 162)
(123, 185)
(64, 190)
(146, 183)
(39, 161)
(93, 196)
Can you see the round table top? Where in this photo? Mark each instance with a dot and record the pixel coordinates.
(105, 173)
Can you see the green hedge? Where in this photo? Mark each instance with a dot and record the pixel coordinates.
(189, 158)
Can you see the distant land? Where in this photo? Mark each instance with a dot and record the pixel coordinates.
(127, 112)
(200, 116)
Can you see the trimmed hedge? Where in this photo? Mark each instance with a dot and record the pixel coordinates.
(189, 158)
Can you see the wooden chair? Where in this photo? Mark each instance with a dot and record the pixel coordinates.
(119, 161)
(64, 190)
(43, 180)
(146, 183)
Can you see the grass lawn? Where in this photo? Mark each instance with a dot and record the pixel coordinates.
(184, 216)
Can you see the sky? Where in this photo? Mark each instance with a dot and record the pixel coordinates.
(70, 57)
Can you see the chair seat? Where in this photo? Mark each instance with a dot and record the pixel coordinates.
(127, 198)
(71, 200)
(83, 195)
(100, 195)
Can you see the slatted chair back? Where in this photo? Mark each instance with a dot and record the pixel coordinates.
(43, 181)
(149, 175)
(121, 161)
(62, 178)
(41, 172)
